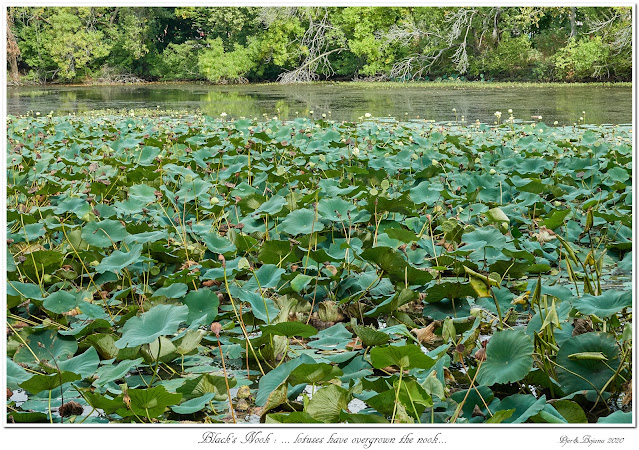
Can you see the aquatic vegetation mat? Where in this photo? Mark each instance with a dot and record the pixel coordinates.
(192, 269)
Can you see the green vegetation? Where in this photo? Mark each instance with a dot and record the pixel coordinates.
(240, 44)
(169, 269)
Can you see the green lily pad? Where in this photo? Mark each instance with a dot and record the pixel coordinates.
(327, 404)
(397, 268)
(508, 358)
(278, 252)
(269, 382)
(38, 383)
(605, 305)
(161, 320)
(16, 375)
(189, 342)
(175, 290)
(556, 219)
(60, 301)
(118, 260)
(300, 282)
(361, 418)
(449, 290)
(404, 356)
(203, 302)
(587, 374)
(263, 308)
(525, 406)
(106, 374)
(571, 411)
(151, 402)
(193, 405)
(104, 234)
(335, 209)
(313, 374)
(267, 276)
(290, 329)
(205, 384)
(85, 364)
(369, 336)
(46, 345)
(300, 221)
(272, 205)
(218, 244)
(617, 417)
(28, 417)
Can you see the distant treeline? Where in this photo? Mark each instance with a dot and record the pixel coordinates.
(242, 44)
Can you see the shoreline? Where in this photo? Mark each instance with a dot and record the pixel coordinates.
(394, 84)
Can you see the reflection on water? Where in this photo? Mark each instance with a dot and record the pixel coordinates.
(348, 101)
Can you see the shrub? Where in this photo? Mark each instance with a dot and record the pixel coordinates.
(179, 62)
(581, 60)
(217, 65)
(511, 58)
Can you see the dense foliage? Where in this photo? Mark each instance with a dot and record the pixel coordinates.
(201, 269)
(236, 44)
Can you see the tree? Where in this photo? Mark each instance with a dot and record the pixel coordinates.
(229, 44)
(13, 51)
(315, 47)
(73, 45)
(217, 65)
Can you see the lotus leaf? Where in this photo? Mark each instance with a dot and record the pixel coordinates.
(605, 305)
(587, 374)
(508, 358)
(161, 320)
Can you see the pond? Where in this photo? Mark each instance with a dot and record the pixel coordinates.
(341, 101)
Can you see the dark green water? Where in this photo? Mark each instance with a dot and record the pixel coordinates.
(347, 101)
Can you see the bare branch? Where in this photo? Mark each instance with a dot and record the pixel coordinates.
(306, 72)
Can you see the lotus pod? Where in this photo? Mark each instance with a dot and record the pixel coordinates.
(70, 409)
(328, 311)
(244, 392)
(581, 326)
(241, 405)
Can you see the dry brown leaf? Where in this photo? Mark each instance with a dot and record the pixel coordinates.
(427, 334)
(354, 344)
(627, 398)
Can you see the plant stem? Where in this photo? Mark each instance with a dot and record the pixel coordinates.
(399, 386)
(157, 362)
(226, 380)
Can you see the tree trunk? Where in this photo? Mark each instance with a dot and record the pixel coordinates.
(114, 15)
(496, 34)
(573, 21)
(13, 51)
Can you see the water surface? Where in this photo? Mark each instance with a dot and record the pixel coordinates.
(342, 101)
